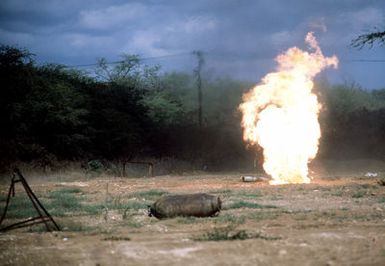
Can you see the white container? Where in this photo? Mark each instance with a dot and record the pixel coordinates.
(250, 178)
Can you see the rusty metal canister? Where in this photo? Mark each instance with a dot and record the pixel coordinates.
(198, 205)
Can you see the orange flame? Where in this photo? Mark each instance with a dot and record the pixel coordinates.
(281, 114)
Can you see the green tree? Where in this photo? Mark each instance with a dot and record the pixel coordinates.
(42, 110)
(128, 72)
(117, 120)
(122, 71)
(16, 71)
(55, 110)
(119, 117)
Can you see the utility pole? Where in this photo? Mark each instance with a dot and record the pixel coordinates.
(197, 74)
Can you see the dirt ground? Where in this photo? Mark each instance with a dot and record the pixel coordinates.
(335, 220)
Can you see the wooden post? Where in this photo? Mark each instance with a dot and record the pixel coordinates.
(124, 169)
(150, 166)
(151, 169)
(197, 73)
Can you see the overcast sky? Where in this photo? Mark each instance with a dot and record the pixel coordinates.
(239, 38)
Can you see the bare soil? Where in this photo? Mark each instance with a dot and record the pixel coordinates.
(335, 220)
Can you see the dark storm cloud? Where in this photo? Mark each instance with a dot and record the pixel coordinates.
(240, 38)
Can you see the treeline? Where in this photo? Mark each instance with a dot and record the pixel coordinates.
(352, 122)
(125, 111)
(128, 111)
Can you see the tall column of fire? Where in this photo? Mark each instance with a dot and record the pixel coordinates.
(281, 113)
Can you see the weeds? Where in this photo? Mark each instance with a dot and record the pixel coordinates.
(229, 233)
(241, 193)
(246, 204)
(39, 228)
(116, 204)
(67, 202)
(135, 205)
(94, 168)
(358, 194)
(363, 186)
(64, 201)
(135, 224)
(381, 200)
(381, 182)
(116, 238)
(92, 209)
(58, 203)
(264, 237)
(277, 197)
(20, 206)
(221, 191)
(188, 220)
(368, 217)
(67, 226)
(249, 194)
(302, 217)
(71, 226)
(221, 234)
(69, 190)
(228, 218)
(120, 203)
(149, 194)
(3, 198)
(263, 215)
(366, 186)
(337, 193)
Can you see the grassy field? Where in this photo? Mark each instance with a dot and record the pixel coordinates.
(335, 220)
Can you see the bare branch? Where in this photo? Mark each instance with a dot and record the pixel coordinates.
(369, 39)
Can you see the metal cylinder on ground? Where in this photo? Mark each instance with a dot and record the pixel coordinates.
(249, 178)
(197, 205)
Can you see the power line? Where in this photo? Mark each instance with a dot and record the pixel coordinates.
(121, 61)
(207, 53)
(164, 56)
(365, 60)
